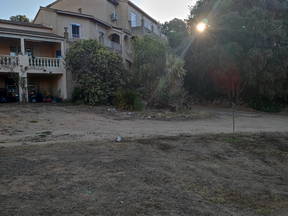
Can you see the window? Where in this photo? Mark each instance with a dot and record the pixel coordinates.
(148, 25)
(58, 54)
(75, 30)
(14, 51)
(133, 19)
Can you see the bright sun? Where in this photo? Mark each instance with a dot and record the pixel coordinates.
(201, 27)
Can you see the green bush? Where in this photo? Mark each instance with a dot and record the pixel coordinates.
(265, 104)
(97, 72)
(170, 92)
(157, 74)
(129, 100)
(148, 64)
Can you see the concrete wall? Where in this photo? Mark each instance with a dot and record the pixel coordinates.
(88, 28)
(101, 9)
(48, 85)
(141, 16)
(40, 49)
(6, 43)
(43, 49)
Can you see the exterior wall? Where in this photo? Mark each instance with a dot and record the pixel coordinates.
(48, 18)
(6, 43)
(141, 16)
(124, 16)
(101, 9)
(88, 29)
(48, 85)
(43, 49)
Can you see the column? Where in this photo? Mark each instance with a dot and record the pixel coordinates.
(23, 86)
(22, 46)
(62, 84)
(63, 50)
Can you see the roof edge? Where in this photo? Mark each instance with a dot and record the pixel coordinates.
(53, 3)
(142, 11)
(33, 25)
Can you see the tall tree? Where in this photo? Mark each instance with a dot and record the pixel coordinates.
(177, 34)
(250, 38)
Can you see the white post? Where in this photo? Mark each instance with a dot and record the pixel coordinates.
(62, 84)
(63, 50)
(22, 46)
(23, 86)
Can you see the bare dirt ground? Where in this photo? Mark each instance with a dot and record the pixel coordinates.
(43, 123)
(202, 175)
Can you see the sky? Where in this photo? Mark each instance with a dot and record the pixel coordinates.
(161, 10)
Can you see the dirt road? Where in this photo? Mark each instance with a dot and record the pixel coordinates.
(38, 123)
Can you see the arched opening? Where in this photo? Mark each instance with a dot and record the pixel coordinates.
(115, 38)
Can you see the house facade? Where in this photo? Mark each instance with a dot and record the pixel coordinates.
(32, 54)
(36, 51)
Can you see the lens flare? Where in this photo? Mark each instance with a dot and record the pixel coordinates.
(201, 27)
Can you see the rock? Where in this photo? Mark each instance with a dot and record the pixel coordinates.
(119, 139)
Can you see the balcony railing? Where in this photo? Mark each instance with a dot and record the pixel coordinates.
(31, 64)
(9, 60)
(44, 62)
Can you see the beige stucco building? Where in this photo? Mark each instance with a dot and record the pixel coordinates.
(36, 50)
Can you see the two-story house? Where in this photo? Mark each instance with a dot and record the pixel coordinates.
(31, 53)
(113, 23)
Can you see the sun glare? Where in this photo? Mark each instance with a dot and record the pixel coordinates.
(201, 27)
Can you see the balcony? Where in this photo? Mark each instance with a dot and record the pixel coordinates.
(36, 65)
(34, 57)
(9, 60)
(141, 31)
(42, 62)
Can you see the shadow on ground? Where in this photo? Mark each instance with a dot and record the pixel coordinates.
(192, 175)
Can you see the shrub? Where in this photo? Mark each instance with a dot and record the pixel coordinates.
(97, 72)
(157, 74)
(77, 95)
(265, 104)
(170, 92)
(129, 100)
(148, 65)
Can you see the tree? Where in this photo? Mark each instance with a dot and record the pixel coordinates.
(97, 72)
(245, 39)
(148, 65)
(20, 18)
(177, 34)
(157, 74)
